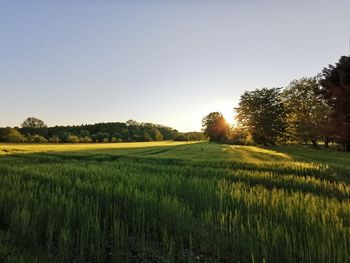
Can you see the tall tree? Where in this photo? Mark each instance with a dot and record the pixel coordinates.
(335, 91)
(156, 134)
(147, 137)
(32, 126)
(306, 111)
(262, 113)
(215, 127)
(132, 123)
(33, 123)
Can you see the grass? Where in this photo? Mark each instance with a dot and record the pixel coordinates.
(32, 148)
(173, 202)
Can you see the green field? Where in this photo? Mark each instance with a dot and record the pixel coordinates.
(173, 202)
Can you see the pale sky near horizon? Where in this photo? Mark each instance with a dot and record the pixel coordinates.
(166, 62)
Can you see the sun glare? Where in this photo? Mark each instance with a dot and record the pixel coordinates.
(226, 107)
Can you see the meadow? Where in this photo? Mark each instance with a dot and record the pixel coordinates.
(173, 202)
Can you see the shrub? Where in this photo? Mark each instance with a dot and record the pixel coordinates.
(36, 138)
(11, 135)
(181, 137)
(54, 139)
(85, 139)
(72, 139)
(240, 136)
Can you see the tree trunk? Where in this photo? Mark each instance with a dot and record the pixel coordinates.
(326, 142)
(314, 142)
(347, 146)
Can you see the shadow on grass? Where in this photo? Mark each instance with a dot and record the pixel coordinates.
(281, 168)
(337, 161)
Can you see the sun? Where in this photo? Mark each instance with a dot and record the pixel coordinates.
(225, 106)
(228, 113)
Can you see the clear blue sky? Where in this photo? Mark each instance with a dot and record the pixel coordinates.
(167, 62)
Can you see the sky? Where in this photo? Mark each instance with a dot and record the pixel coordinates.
(167, 62)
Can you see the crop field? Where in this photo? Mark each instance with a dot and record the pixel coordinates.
(173, 202)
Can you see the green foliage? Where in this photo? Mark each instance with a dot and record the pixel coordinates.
(181, 137)
(131, 131)
(100, 136)
(11, 135)
(34, 126)
(85, 139)
(156, 135)
(147, 137)
(33, 123)
(84, 133)
(215, 127)
(335, 91)
(182, 203)
(240, 136)
(72, 139)
(54, 139)
(306, 112)
(132, 123)
(195, 136)
(190, 136)
(262, 113)
(36, 138)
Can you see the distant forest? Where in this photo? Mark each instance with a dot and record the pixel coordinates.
(34, 130)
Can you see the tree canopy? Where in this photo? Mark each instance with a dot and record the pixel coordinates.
(262, 113)
(306, 112)
(335, 91)
(215, 127)
(33, 123)
(34, 130)
(11, 135)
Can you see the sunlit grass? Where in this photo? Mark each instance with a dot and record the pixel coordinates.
(31, 148)
(173, 202)
(258, 151)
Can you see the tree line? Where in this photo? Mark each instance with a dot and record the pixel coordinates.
(307, 110)
(34, 130)
(310, 109)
